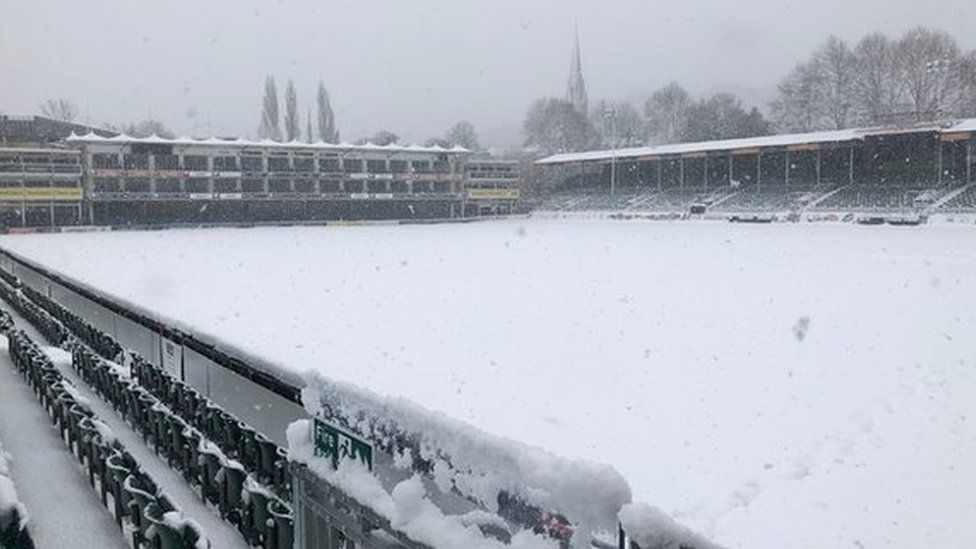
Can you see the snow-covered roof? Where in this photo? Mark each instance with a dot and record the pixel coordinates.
(264, 143)
(785, 140)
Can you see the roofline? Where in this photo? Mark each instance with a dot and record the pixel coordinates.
(124, 139)
(779, 140)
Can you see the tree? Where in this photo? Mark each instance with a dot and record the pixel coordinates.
(722, 117)
(308, 125)
(462, 134)
(148, 128)
(60, 109)
(326, 119)
(664, 113)
(381, 138)
(798, 106)
(930, 62)
(838, 70)
(618, 123)
(877, 90)
(554, 125)
(293, 128)
(269, 128)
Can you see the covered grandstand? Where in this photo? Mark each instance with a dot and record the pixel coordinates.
(916, 169)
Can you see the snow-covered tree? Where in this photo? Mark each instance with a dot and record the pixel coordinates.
(60, 109)
(463, 134)
(664, 114)
(554, 125)
(326, 118)
(269, 128)
(618, 123)
(293, 129)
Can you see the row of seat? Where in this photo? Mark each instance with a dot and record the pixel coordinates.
(140, 508)
(48, 326)
(261, 457)
(99, 341)
(261, 516)
(182, 427)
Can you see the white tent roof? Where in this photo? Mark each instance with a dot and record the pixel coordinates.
(266, 143)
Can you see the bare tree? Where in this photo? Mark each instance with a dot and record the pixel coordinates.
(463, 134)
(618, 123)
(269, 128)
(293, 128)
(931, 71)
(664, 112)
(326, 119)
(554, 125)
(722, 116)
(838, 69)
(877, 89)
(148, 128)
(60, 109)
(798, 106)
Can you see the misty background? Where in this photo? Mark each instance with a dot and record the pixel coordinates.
(417, 67)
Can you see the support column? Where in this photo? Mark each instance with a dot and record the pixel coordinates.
(969, 160)
(850, 173)
(786, 163)
(939, 178)
(818, 167)
(707, 169)
(730, 169)
(759, 170)
(681, 173)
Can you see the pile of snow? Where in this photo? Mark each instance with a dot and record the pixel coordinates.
(10, 504)
(407, 506)
(475, 463)
(669, 351)
(651, 528)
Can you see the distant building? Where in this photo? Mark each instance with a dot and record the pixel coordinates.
(576, 88)
(40, 131)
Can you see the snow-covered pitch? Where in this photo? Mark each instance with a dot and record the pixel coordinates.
(767, 386)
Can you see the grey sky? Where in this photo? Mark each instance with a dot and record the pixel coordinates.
(417, 66)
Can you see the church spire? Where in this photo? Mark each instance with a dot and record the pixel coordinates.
(576, 89)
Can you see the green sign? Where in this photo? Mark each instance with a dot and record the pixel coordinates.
(333, 443)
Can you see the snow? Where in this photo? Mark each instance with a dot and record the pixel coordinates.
(782, 140)
(665, 350)
(92, 138)
(9, 500)
(652, 528)
(64, 509)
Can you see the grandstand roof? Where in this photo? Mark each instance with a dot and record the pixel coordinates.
(265, 143)
(784, 140)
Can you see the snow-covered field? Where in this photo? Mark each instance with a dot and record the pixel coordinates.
(769, 386)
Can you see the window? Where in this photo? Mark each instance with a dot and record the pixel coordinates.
(195, 163)
(279, 164)
(252, 164)
(376, 166)
(279, 185)
(304, 185)
(329, 186)
(136, 161)
(226, 185)
(225, 163)
(252, 186)
(167, 162)
(398, 166)
(137, 185)
(399, 187)
(106, 161)
(304, 164)
(329, 164)
(420, 166)
(102, 185)
(197, 185)
(352, 165)
(167, 186)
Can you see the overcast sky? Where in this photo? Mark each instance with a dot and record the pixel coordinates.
(414, 66)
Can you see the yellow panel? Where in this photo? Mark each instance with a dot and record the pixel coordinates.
(496, 194)
(45, 194)
(958, 136)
